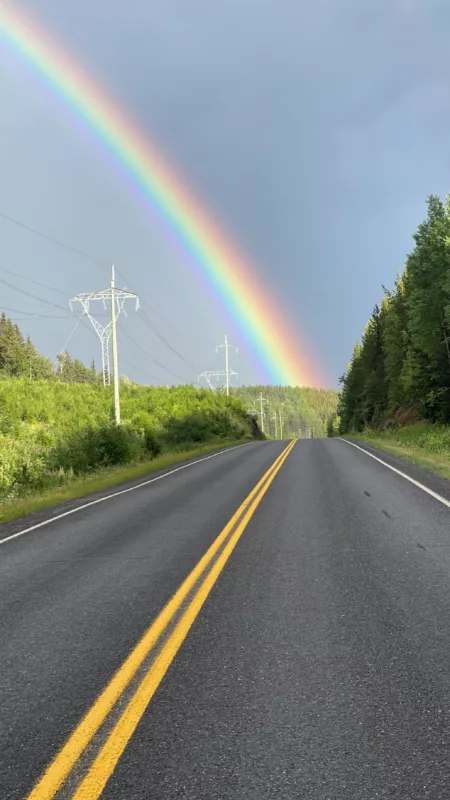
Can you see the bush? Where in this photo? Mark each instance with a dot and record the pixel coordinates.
(193, 428)
(152, 443)
(51, 431)
(142, 424)
(92, 448)
(22, 465)
(333, 426)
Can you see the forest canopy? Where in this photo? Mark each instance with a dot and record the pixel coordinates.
(401, 366)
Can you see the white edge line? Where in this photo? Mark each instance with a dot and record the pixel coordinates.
(117, 494)
(399, 472)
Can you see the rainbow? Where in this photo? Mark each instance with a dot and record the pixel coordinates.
(249, 303)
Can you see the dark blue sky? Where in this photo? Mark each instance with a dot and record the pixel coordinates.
(314, 132)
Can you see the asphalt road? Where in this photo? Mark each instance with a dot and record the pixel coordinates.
(317, 665)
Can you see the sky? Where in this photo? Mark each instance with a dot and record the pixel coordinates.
(312, 131)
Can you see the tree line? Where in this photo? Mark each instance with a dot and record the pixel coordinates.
(304, 410)
(401, 366)
(20, 358)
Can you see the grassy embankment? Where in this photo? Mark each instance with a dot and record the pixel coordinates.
(102, 479)
(421, 443)
(58, 440)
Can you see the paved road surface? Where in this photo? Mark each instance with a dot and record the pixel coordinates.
(317, 665)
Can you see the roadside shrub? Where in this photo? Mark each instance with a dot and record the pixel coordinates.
(152, 443)
(22, 465)
(105, 446)
(51, 431)
(333, 425)
(190, 429)
(142, 424)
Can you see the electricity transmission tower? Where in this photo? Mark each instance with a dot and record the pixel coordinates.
(209, 374)
(227, 346)
(113, 300)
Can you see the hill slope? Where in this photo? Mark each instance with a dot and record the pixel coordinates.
(305, 411)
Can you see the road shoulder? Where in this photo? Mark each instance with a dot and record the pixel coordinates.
(53, 511)
(431, 481)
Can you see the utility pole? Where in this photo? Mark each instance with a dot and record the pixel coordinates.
(114, 348)
(116, 298)
(275, 419)
(261, 401)
(227, 346)
(281, 425)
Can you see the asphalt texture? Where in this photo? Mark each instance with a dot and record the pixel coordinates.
(319, 666)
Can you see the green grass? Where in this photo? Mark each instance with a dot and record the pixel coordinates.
(422, 444)
(102, 480)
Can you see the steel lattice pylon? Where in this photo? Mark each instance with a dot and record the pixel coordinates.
(215, 373)
(104, 331)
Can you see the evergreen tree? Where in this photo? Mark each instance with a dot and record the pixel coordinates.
(13, 349)
(395, 344)
(65, 367)
(350, 410)
(404, 358)
(427, 375)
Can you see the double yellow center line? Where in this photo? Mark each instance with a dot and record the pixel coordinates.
(186, 603)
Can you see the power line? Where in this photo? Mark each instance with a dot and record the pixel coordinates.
(147, 354)
(29, 294)
(80, 252)
(30, 313)
(116, 299)
(99, 261)
(169, 324)
(37, 316)
(30, 280)
(174, 374)
(139, 369)
(82, 319)
(154, 330)
(164, 340)
(61, 308)
(139, 346)
(51, 239)
(58, 291)
(166, 322)
(64, 348)
(41, 300)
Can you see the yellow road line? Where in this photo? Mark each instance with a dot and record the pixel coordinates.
(103, 766)
(61, 766)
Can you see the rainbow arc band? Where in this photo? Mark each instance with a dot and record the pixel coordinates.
(219, 264)
(138, 678)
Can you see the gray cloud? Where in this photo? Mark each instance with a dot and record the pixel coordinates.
(313, 131)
